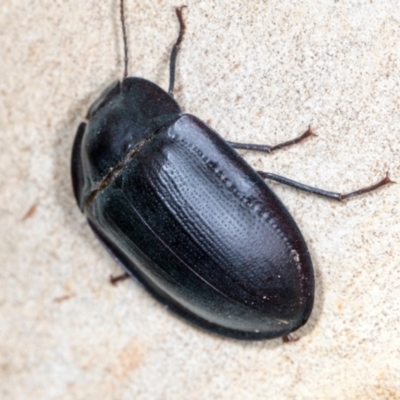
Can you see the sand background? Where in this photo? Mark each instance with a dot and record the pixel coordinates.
(258, 71)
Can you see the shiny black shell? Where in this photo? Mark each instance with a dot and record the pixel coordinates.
(188, 217)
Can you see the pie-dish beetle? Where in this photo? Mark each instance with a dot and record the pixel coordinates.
(185, 214)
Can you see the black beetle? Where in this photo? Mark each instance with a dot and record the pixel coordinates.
(183, 212)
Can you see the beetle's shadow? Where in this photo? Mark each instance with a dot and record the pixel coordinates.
(312, 322)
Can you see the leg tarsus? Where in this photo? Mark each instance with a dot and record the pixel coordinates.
(308, 133)
(385, 181)
(324, 193)
(175, 50)
(289, 338)
(270, 149)
(115, 279)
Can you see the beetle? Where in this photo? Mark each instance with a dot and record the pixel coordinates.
(186, 215)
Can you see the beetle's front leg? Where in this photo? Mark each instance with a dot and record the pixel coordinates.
(269, 149)
(324, 193)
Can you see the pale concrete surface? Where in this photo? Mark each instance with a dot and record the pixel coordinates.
(258, 71)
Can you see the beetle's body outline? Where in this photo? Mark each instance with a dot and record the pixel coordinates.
(176, 205)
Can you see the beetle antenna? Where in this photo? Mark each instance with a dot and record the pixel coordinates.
(125, 39)
(175, 49)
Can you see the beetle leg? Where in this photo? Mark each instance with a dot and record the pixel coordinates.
(270, 149)
(289, 338)
(115, 279)
(175, 50)
(324, 193)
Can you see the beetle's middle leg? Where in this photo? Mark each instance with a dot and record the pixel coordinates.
(324, 193)
(175, 50)
(118, 278)
(269, 149)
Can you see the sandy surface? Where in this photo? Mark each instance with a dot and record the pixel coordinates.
(258, 71)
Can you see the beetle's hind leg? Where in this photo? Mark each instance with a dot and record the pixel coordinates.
(269, 149)
(175, 50)
(324, 193)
